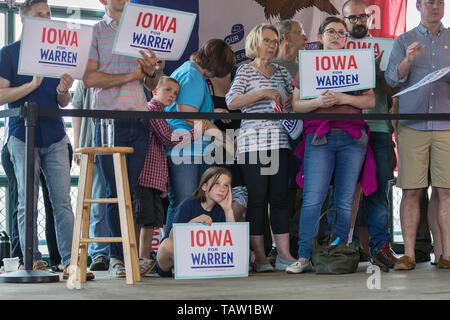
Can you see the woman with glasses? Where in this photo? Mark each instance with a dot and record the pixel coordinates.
(263, 145)
(331, 148)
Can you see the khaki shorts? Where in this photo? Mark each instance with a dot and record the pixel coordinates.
(420, 152)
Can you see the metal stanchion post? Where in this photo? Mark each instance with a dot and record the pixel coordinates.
(29, 275)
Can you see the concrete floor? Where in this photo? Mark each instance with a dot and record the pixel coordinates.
(425, 282)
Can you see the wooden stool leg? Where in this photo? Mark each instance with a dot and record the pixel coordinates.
(79, 211)
(131, 258)
(86, 218)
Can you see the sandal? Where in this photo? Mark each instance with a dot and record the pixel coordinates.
(117, 269)
(146, 266)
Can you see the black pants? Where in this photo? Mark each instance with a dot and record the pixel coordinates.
(264, 189)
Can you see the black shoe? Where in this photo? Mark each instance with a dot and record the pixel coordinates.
(99, 264)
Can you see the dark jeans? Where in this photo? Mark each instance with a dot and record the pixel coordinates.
(127, 133)
(375, 208)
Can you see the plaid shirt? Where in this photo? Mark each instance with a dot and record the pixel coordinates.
(155, 173)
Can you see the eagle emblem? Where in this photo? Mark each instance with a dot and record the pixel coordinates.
(287, 9)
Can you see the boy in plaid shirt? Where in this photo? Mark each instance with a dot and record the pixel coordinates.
(153, 183)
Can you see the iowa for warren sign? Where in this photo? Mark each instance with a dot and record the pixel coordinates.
(216, 251)
(337, 70)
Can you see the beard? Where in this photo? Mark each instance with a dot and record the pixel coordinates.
(359, 31)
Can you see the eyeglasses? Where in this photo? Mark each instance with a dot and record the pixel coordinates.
(300, 33)
(334, 33)
(354, 18)
(268, 42)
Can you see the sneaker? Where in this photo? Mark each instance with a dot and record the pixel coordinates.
(386, 256)
(41, 265)
(89, 275)
(263, 267)
(100, 263)
(297, 267)
(281, 264)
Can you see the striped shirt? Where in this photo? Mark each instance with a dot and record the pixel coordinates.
(257, 135)
(129, 96)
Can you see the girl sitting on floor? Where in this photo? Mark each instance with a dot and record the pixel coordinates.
(210, 203)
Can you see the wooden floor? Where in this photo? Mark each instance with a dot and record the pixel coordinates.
(425, 282)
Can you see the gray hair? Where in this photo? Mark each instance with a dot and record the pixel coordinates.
(284, 27)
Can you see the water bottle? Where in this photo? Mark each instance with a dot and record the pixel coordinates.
(293, 127)
(5, 247)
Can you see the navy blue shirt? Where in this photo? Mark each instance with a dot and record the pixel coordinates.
(48, 129)
(191, 208)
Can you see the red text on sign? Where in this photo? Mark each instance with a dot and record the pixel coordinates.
(159, 22)
(336, 62)
(63, 37)
(201, 238)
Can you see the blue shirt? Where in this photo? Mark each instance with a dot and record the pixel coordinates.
(191, 208)
(433, 97)
(48, 129)
(194, 92)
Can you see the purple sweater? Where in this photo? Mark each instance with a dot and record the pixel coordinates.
(367, 178)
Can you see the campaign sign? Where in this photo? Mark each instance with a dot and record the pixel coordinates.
(336, 70)
(377, 44)
(165, 31)
(216, 251)
(51, 48)
(429, 78)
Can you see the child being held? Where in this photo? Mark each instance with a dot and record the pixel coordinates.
(153, 183)
(210, 203)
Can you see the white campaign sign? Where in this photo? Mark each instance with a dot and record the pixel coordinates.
(377, 44)
(216, 251)
(336, 70)
(429, 78)
(165, 31)
(51, 48)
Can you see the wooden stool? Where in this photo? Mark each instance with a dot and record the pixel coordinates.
(84, 201)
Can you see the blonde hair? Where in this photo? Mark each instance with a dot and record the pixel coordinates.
(165, 79)
(211, 173)
(253, 39)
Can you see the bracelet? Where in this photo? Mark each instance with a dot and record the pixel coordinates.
(61, 92)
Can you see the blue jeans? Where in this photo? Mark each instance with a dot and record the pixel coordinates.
(8, 166)
(343, 156)
(376, 206)
(184, 179)
(54, 162)
(127, 133)
(98, 226)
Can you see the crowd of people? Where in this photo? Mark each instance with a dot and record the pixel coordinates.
(277, 182)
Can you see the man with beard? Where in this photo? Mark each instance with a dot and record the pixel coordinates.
(375, 206)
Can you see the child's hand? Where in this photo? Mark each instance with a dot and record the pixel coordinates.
(163, 195)
(226, 202)
(205, 219)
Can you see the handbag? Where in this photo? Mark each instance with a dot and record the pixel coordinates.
(333, 257)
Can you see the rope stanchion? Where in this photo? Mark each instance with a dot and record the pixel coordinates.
(239, 116)
(31, 113)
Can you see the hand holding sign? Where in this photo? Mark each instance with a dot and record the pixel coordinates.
(65, 83)
(205, 219)
(326, 99)
(148, 63)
